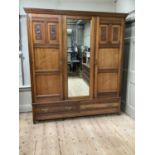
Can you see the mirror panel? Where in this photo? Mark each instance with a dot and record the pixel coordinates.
(78, 57)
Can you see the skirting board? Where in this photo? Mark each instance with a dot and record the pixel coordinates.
(128, 109)
(25, 108)
(25, 101)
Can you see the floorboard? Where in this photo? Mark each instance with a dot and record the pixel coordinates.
(96, 135)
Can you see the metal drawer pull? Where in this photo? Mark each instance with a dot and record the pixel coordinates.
(45, 109)
(68, 108)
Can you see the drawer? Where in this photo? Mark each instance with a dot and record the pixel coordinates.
(55, 109)
(97, 106)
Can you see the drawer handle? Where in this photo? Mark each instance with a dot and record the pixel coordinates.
(68, 108)
(45, 109)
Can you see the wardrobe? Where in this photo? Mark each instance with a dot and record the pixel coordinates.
(51, 67)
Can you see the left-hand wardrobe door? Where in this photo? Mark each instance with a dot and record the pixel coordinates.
(45, 38)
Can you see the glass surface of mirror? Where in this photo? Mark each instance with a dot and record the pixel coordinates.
(78, 57)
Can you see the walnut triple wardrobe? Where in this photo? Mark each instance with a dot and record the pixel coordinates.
(49, 62)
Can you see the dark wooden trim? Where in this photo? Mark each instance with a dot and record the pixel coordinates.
(76, 114)
(61, 55)
(55, 110)
(45, 19)
(108, 70)
(73, 13)
(96, 55)
(108, 94)
(105, 99)
(121, 58)
(109, 45)
(47, 45)
(118, 22)
(78, 97)
(64, 55)
(51, 95)
(53, 72)
(92, 55)
(98, 106)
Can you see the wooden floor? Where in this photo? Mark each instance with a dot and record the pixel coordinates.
(77, 87)
(98, 135)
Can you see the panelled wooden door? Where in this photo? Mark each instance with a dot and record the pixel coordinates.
(46, 57)
(108, 57)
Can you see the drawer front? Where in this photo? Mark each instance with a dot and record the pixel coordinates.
(99, 106)
(75, 108)
(55, 109)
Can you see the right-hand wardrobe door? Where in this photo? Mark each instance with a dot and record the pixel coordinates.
(108, 56)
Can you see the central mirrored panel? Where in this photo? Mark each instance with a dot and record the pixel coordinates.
(78, 57)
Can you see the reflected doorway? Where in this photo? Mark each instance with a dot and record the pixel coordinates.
(78, 57)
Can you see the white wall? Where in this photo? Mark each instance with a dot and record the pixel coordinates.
(125, 6)
(24, 46)
(92, 5)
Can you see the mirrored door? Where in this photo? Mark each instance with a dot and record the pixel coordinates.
(78, 56)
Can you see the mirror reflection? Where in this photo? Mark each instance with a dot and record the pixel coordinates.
(78, 57)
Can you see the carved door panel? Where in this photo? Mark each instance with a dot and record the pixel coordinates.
(109, 33)
(115, 34)
(39, 32)
(108, 57)
(104, 34)
(53, 33)
(47, 58)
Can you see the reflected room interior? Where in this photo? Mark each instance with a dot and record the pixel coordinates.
(78, 57)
